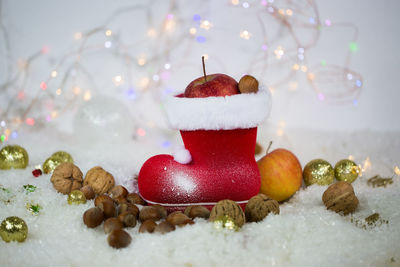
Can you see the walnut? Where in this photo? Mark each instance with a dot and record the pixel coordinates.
(100, 180)
(66, 178)
(230, 208)
(340, 197)
(248, 84)
(259, 207)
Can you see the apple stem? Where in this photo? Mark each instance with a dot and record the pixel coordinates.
(269, 146)
(204, 69)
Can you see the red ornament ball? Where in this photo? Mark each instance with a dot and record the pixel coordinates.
(37, 172)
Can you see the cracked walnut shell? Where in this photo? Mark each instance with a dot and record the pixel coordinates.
(66, 178)
(100, 180)
(340, 197)
(259, 207)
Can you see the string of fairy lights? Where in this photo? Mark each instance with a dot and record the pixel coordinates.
(60, 90)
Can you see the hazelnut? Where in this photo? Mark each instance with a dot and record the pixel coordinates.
(108, 209)
(93, 217)
(229, 208)
(135, 199)
(161, 210)
(259, 207)
(118, 238)
(87, 190)
(197, 212)
(66, 178)
(111, 224)
(258, 149)
(100, 180)
(149, 213)
(102, 198)
(178, 218)
(340, 197)
(128, 207)
(118, 191)
(164, 227)
(248, 84)
(147, 226)
(120, 200)
(128, 219)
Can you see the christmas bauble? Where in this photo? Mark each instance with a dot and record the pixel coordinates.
(318, 171)
(13, 156)
(76, 197)
(103, 118)
(56, 159)
(346, 170)
(225, 222)
(13, 229)
(65, 156)
(50, 164)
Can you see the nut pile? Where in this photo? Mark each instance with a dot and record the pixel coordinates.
(117, 211)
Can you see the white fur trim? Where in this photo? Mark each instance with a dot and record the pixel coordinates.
(239, 111)
(182, 155)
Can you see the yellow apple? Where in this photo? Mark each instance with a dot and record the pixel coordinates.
(281, 174)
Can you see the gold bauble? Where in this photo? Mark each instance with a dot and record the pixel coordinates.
(50, 164)
(65, 156)
(13, 229)
(318, 171)
(76, 197)
(13, 156)
(56, 159)
(346, 170)
(225, 222)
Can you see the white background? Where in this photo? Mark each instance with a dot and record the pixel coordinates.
(32, 24)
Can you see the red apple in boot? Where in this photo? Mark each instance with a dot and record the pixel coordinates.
(212, 85)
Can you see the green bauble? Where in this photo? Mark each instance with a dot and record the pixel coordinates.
(13, 229)
(13, 156)
(346, 170)
(56, 159)
(318, 171)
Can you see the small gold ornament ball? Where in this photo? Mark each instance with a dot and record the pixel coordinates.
(13, 229)
(56, 159)
(346, 170)
(13, 156)
(318, 171)
(76, 197)
(225, 222)
(64, 156)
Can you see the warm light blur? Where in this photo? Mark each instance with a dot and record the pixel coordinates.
(245, 34)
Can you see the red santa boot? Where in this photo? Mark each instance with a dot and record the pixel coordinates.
(220, 135)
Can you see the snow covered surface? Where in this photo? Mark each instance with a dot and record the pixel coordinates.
(304, 234)
(213, 113)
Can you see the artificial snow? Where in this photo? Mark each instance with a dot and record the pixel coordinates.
(182, 155)
(303, 234)
(214, 113)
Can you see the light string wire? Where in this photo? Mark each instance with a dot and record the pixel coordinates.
(288, 14)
